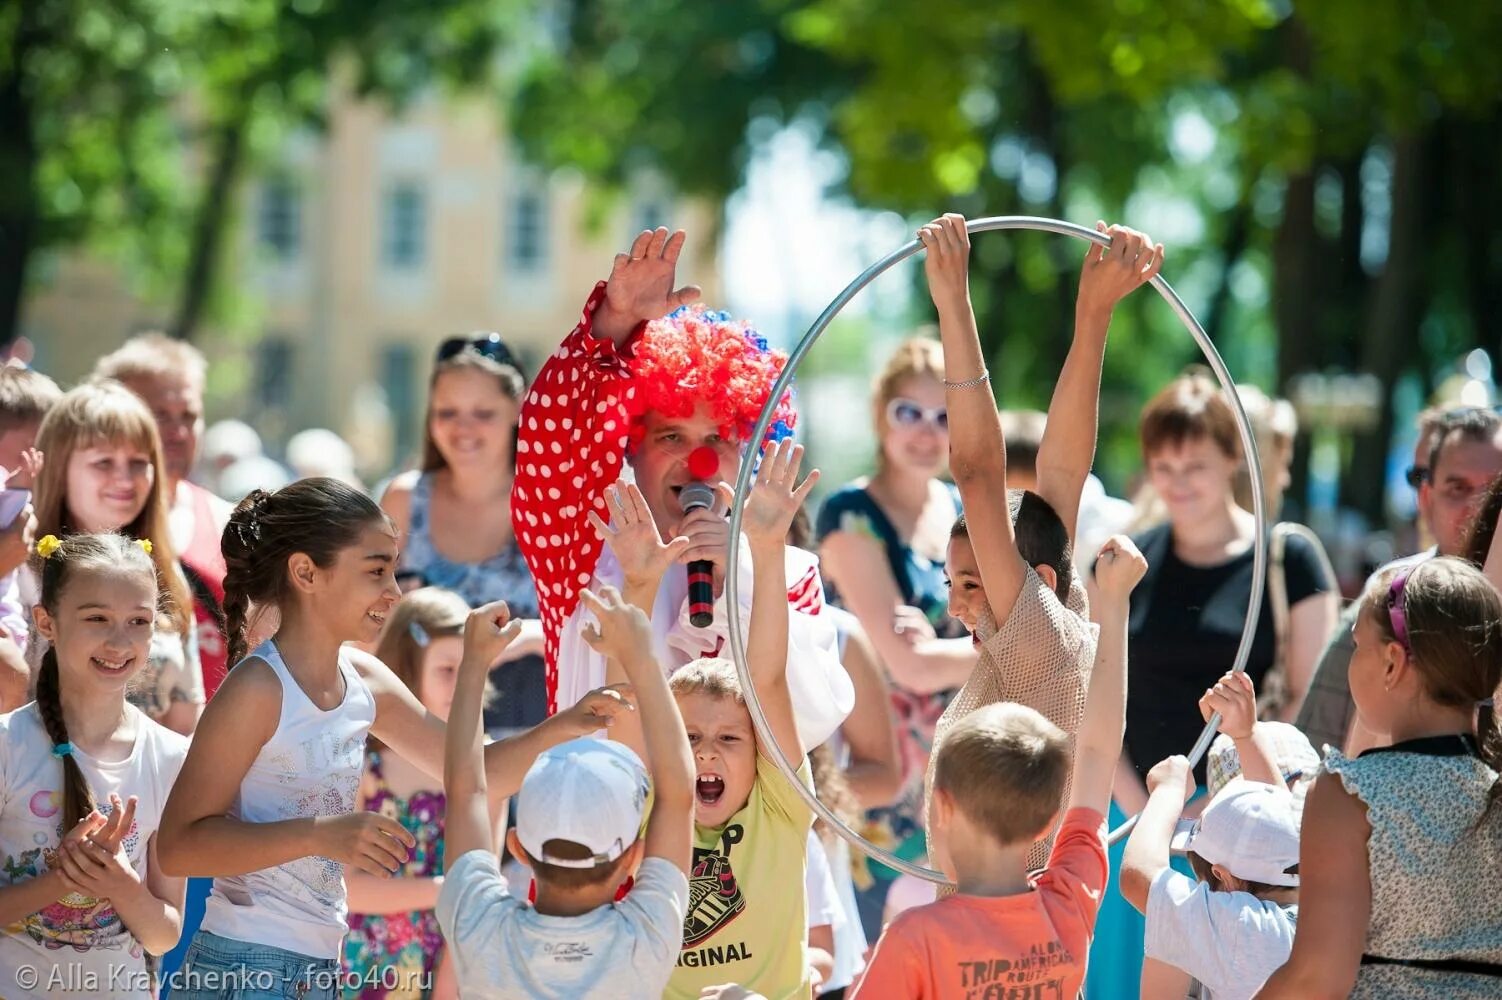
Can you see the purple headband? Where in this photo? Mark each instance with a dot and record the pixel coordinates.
(1395, 612)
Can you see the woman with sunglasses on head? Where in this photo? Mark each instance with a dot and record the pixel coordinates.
(882, 541)
(453, 514)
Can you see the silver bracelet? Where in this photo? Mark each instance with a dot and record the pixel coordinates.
(969, 383)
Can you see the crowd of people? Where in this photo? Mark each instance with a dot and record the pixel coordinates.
(480, 735)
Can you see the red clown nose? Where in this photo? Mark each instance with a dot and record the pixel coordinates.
(703, 462)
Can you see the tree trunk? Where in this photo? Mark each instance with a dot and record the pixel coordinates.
(18, 161)
(1296, 295)
(1397, 304)
(228, 151)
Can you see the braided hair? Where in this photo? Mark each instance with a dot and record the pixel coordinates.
(317, 517)
(62, 563)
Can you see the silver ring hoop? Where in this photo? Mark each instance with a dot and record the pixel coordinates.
(743, 485)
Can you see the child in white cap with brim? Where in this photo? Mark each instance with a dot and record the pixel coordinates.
(579, 827)
(1234, 926)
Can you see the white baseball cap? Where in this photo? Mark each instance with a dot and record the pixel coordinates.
(1249, 829)
(587, 791)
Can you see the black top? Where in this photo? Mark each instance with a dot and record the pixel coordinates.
(1185, 628)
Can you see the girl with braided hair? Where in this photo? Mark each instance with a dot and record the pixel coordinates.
(70, 879)
(267, 807)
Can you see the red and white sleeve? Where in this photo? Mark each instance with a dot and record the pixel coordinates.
(570, 446)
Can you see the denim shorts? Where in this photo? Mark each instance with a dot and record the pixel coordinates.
(218, 967)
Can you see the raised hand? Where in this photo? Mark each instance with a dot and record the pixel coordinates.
(1172, 772)
(633, 536)
(599, 709)
(775, 496)
(641, 284)
(487, 632)
(1112, 273)
(624, 632)
(1119, 568)
(1235, 698)
(112, 831)
(947, 263)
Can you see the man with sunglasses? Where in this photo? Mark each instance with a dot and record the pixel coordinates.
(1459, 454)
(672, 399)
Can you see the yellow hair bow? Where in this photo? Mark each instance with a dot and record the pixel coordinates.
(48, 544)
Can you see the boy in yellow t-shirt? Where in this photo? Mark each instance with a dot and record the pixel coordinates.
(747, 916)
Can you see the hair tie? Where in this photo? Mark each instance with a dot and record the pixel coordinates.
(419, 634)
(1485, 703)
(1396, 613)
(48, 544)
(145, 544)
(61, 750)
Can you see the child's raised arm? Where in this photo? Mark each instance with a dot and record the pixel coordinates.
(977, 449)
(1098, 745)
(769, 511)
(468, 763)
(1235, 698)
(624, 636)
(198, 837)
(1170, 784)
(1067, 451)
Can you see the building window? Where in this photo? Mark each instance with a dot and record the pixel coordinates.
(279, 219)
(404, 227)
(529, 230)
(274, 358)
(398, 363)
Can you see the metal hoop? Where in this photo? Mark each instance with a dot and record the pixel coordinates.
(743, 483)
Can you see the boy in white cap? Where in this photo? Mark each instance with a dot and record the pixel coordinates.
(1234, 927)
(579, 827)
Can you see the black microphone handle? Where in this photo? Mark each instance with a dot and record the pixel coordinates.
(701, 593)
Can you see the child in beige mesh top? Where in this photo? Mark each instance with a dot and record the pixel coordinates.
(1012, 581)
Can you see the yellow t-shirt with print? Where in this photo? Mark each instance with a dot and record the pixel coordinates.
(747, 918)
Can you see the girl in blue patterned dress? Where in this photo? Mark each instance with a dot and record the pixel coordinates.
(453, 514)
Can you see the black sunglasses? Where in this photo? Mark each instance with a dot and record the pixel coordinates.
(488, 345)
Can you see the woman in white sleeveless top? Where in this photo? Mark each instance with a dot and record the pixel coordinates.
(265, 802)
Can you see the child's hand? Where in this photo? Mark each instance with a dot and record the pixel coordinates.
(98, 871)
(633, 536)
(947, 263)
(1119, 568)
(1112, 273)
(598, 709)
(1172, 772)
(774, 499)
(487, 632)
(1235, 698)
(366, 841)
(729, 991)
(111, 832)
(624, 631)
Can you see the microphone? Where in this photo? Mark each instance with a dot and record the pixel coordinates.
(699, 496)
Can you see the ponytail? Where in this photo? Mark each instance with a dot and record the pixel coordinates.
(1489, 744)
(78, 797)
(317, 517)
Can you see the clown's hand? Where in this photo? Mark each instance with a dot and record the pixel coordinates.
(641, 285)
(633, 536)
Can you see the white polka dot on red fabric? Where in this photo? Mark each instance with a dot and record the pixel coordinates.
(583, 578)
(550, 424)
(557, 539)
(532, 398)
(522, 446)
(568, 423)
(545, 517)
(531, 423)
(578, 482)
(546, 471)
(541, 541)
(557, 447)
(600, 502)
(599, 436)
(545, 401)
(554, 493)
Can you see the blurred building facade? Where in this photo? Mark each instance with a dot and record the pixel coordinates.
(358, 250)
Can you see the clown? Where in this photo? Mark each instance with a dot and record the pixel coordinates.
(670, 392)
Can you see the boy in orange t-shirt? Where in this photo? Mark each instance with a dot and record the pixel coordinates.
(998, 781)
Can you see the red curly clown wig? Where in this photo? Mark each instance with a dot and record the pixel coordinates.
(697, 355)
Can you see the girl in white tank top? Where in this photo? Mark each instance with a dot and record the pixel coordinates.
(265, 804)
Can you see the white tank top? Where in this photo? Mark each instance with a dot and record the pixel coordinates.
(311, 766)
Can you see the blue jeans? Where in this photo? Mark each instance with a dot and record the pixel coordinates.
(218, 967)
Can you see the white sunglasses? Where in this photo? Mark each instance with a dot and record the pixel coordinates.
(906, 413)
